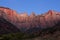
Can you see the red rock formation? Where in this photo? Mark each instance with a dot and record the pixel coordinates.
(24, 21)
(6, 26)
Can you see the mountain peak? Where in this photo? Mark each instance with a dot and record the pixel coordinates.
(51, 11)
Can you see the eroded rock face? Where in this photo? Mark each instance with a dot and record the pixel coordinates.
(23, 21)
(6, 26)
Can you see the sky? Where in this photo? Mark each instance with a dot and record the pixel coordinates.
(37, 6)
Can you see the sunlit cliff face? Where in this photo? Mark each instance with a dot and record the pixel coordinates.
(24, 15)
(22, 20)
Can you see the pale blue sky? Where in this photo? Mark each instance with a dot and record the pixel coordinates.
(37, 6)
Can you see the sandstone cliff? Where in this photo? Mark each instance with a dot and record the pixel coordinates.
(25, 22)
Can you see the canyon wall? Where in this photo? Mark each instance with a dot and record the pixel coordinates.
(25, 22)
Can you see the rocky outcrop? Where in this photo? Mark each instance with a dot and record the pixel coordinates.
(6, 26)
(25, 22)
